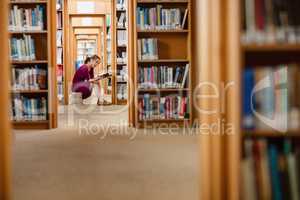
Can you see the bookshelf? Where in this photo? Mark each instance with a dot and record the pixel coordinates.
(120, 68)
(5, 135)
(269, 51)
(162, 74)
(32, 62)
(60, 71)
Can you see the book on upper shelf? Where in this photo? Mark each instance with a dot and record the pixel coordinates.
(163, 107)
(270, 22)
(122, 21)
(27, 19)
(159, 18)
(270, 97)
(22, 48)
(147, 49)
(162, 77)
(121, 5)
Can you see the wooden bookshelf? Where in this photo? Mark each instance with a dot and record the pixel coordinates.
(44, 59)
(6, 133)
(118, 51)
(169, 40)
(257, 55)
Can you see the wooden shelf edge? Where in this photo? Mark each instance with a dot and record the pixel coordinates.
(270, 47)
(29, 62)
(28, 2)
(163, 89)
(162, 1)
(271, 133)
(163, 31)
(29, 91)
(164, 61)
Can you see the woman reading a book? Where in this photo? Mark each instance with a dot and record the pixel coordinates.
(84, 77)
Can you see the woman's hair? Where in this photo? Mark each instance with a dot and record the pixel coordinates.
(93, 57)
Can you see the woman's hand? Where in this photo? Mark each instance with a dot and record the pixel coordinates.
(92, 80)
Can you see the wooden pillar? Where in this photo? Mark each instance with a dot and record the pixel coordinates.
(5, 133)
(216, 60)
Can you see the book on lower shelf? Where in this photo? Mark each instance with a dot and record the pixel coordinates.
(270, 97)
(159, 107)
(27, 19)
(147, 49)
(29, 78)
(29, 108)
(22, 48)
(122, 92)
(162, 77)
(270, 169)
(159, 18)
(268, 21)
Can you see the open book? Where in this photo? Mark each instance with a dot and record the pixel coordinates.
(102, 76)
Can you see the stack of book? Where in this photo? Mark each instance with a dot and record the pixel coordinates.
(22, 48)
(269, 21)
(122, 92)
(29, 109)
(160, 18)
(269, 92)
(270, 170)
(154, 107)
(122, 37)
(162, 77)
(27, 19)
(147, 49)
(29, 78)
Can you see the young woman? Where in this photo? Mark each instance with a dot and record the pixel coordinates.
(84, 77)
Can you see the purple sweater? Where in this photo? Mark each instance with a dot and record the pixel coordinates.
(81, 81)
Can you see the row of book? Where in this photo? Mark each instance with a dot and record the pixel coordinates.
(154, 107)
(122, 74)
(162, 76)
(122, 56)
(160, 18)
(122, 92)
(29, 109)
(122, 37)
(27, 19)
(270, 170)
(121, 4)
(122, 20)
(29, 78)
(59, 20)
(22, 48)
(148, 49)
(59, 4)
(271, 21)
(269, 94)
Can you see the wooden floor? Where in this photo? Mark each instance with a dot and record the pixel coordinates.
(127, 164)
